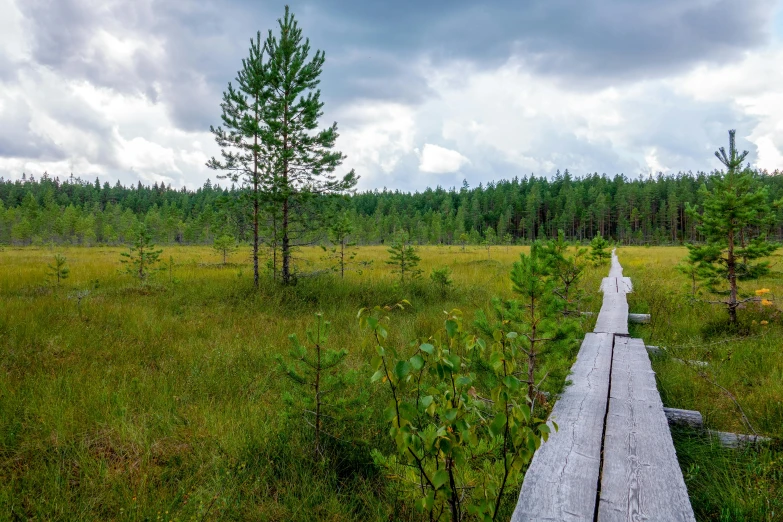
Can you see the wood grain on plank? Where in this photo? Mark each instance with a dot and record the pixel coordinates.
(641, 479)
(613, 317)
(563, 476)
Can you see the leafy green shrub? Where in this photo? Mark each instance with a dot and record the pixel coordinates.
(461, 444)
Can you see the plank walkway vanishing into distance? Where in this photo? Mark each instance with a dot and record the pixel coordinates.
(612, 458)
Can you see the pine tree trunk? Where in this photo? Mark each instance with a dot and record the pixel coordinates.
(255, 206)
(286, 245)
(731, 264)
(342, 259)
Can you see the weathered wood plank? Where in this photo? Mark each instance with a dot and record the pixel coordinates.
(615, 270)
(563, 476)
(639, 318)
(641, 479)
(613, 317)
(690, 418)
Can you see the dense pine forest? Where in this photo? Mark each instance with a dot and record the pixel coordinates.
(649, 210)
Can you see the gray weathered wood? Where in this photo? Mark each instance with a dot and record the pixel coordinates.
(639, 318)
(613, 317)
(655, 350)
(641, 479)
(562, 479)
(736, 440)
(690, 418)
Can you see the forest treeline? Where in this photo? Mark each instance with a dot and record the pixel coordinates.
(630, 211)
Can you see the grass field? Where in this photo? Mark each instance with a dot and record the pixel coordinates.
(164, 402)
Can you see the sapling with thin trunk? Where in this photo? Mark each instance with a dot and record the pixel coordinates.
(59, 270)
(141, 257)
(404, 258)
(319, 373)
(734, 219)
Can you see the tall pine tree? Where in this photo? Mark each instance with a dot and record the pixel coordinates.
(244, 155)
(304, 159)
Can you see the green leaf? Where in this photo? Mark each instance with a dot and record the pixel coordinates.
(417, 361)
(511, 382)
(497, 425)
(402, 369)
(427, 348)
(439, 478)
(451, 414)
(452, 327)
(463, 381)
(426, 401)
(377, 375)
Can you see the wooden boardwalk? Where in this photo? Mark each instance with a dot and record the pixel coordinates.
(613, 458)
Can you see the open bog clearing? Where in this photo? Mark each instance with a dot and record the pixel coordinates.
(164, 401)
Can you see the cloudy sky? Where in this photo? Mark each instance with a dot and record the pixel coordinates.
(424, 93)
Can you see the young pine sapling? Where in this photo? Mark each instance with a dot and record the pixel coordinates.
(441, 278)
(537, 314)
(734, 221)
(463, 240)
(317, 370)
(142, 257)
(59, 270)
(567, 271)
(341, 253)
(599, 250)
(225, 245)
(404, 258)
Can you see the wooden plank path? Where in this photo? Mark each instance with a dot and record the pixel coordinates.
(613, 458)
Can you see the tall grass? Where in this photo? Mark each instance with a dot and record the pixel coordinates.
(163, 401)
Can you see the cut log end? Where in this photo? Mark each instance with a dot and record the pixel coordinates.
(689, 418)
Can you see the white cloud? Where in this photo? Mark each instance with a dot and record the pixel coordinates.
(508, 120)
(439, 160)
(375, 136)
